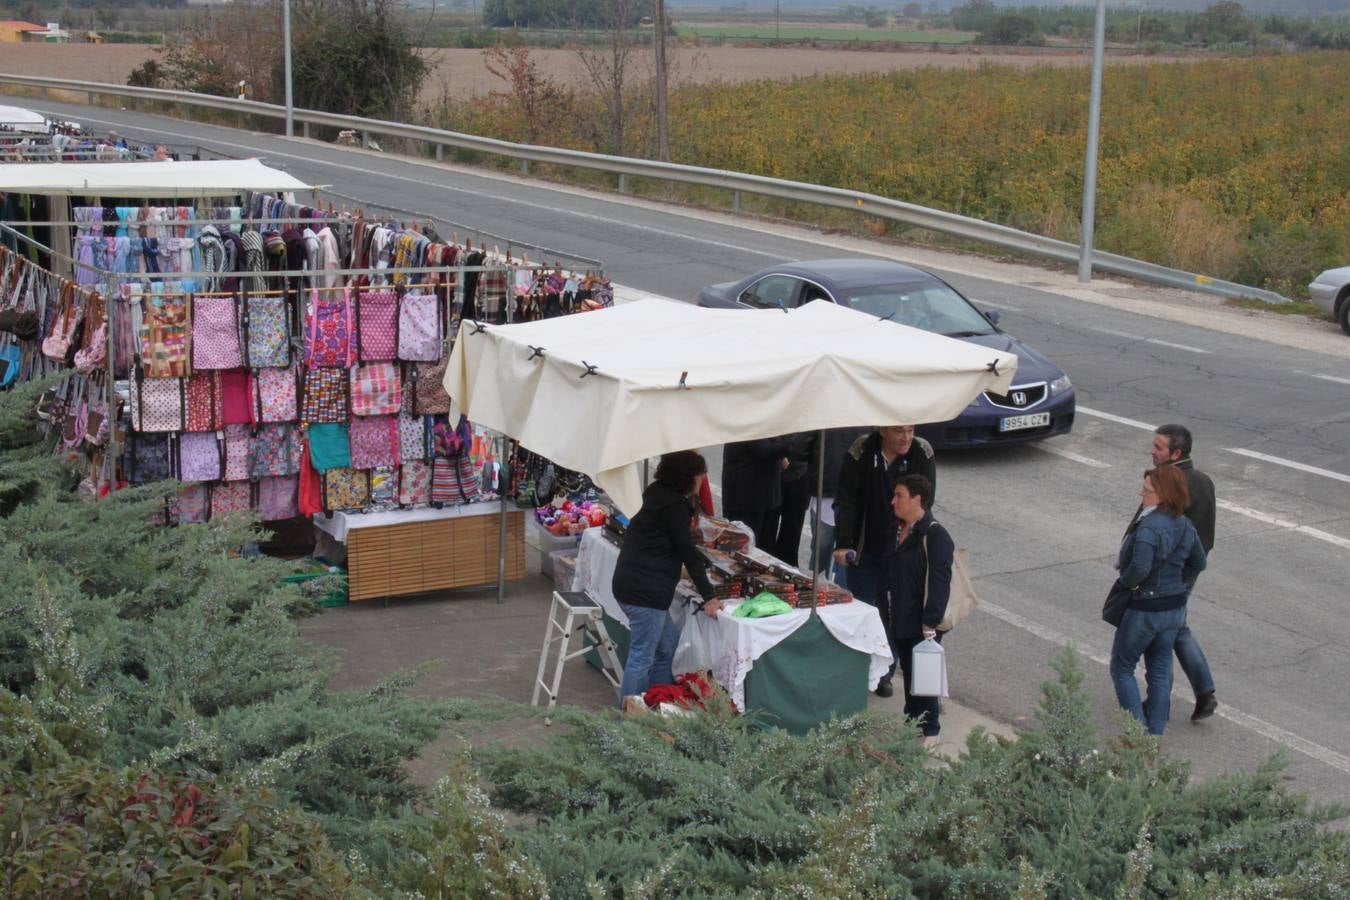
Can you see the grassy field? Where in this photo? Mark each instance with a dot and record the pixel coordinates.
(799, 32)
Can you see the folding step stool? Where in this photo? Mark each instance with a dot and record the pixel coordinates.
(565, 612)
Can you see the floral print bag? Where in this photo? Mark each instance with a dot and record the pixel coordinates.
(274, 395)
(276, 450)
(215, 333)
(377, 319)
(374, 441)
(267, 332)
(328, 335)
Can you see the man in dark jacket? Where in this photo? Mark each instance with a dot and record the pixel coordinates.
(864, 523)
(1172, 447)
(797, 491)
(752, 488)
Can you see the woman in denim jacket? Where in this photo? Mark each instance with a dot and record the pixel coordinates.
(1160, 559)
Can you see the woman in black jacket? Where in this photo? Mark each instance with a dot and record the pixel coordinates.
(657, 543)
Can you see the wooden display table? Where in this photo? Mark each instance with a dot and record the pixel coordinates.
(392, 554)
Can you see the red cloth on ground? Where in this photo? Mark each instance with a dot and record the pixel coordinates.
(688, 690)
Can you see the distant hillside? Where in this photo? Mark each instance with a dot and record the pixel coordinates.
(1284, 7)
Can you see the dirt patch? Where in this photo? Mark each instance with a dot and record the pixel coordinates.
(463, 74)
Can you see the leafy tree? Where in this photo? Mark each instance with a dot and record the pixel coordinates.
(974, 15)
(355, 57)
(1011, 28)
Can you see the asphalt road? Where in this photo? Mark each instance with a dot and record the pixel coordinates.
(1042, 522)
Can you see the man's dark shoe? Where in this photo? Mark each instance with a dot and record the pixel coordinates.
(1205, 704)
(884, 688)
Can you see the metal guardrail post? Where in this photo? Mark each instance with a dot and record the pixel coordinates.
(736, 200)
(304, 129)
(524, 167)
(867, 204)
(440, 152)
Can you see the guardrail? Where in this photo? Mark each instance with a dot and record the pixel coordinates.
(738, 182)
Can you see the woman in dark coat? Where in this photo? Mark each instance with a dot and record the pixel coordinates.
(656, 545)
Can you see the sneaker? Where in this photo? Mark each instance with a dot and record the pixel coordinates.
(884, 688)
(1205, 704)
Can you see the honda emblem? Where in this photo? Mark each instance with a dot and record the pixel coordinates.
(1019, 398)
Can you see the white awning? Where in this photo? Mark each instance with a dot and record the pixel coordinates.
(168, 178)
(599, 391)
(16, 118)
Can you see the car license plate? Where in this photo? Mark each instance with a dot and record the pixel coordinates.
(1017, 423)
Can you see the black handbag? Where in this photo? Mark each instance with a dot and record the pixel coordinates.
(1117, 599)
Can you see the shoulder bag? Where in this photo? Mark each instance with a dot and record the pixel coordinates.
(962, 600)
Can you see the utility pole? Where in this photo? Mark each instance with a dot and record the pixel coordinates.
(286, 40)
(777, 20)
(1090, 163)
(662, 124)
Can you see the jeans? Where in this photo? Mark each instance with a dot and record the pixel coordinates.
(1193, 662)
(652, 639)
(923, 710)
(1151, 635)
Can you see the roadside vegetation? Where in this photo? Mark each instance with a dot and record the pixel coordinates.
(166, 731)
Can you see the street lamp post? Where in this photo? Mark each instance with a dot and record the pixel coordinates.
(1090, 164)
(286, 40)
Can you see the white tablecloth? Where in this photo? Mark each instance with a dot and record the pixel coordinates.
(341, 522)
(727, 645)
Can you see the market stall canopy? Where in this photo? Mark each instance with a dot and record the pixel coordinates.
(16, 118)
(600, 391)
(167, 178)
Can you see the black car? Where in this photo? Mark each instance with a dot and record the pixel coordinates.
(1039, 405)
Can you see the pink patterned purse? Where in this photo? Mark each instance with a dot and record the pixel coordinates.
(329, 335)
(215, 333)
(377, 390)
(377, 325)
(374, 441)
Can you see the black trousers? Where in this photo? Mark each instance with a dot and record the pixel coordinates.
(761, 521)
(790, 519)
(916, 708)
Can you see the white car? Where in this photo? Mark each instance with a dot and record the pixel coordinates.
(1330, 292)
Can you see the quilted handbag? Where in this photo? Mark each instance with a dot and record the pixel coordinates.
(274, 395)
(215, 333)
(377, 390)
(56, 345)
(345, 488)
(383, 487)
(454, 480)
(238, 453)
(157, 404)
(201, 458)
(204, 402)
(328, 334)
(414, 483)
(165, 335)
(277, 498)
(420, 336)
(374, 441)
(267, 332)
(325, 396)
(236, 398)
(329, 447)
(193, 504)
(377, 318)
(429, 388)
(149, 458)
(95, 352)
(231, 496)
(276, 450)
(412, 437)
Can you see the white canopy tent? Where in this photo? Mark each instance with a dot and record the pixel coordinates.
(601, 391)
(167, 178)
(16, 118)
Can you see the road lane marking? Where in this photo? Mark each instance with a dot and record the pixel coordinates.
(1269, 519)
(1290, 464)
(1120, 420)
(1147, 340)
(488, 195)
(1069, 455)
(1266, 729)
(1327, 377)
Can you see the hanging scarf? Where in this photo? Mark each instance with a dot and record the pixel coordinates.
(213, 255)
(253, 259)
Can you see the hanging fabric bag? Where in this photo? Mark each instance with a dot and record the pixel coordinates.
(194, 503)
(345, 488)
(149, 458)
(267, 332)
(310, 490)
(383, 487)
(57, 343)
(328, 334)
(412, 437)
(231, 496)
(374, 442)
(215, 333)
(377, 390)
(204, 402)
(201, 456)
(157, 404)
(414, 483)
(377, 321)
(329, 447)
(274, 395)
(236, 397)
(238, 453)
(431, 397)
(278, 498)
(325, 396)
(420, 335)
(165, 335)
(276, 451)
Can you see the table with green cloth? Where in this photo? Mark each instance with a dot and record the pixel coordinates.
(792, 670)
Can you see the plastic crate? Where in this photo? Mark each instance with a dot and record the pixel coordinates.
(560, 565)
(545, 541)
(335, 597)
